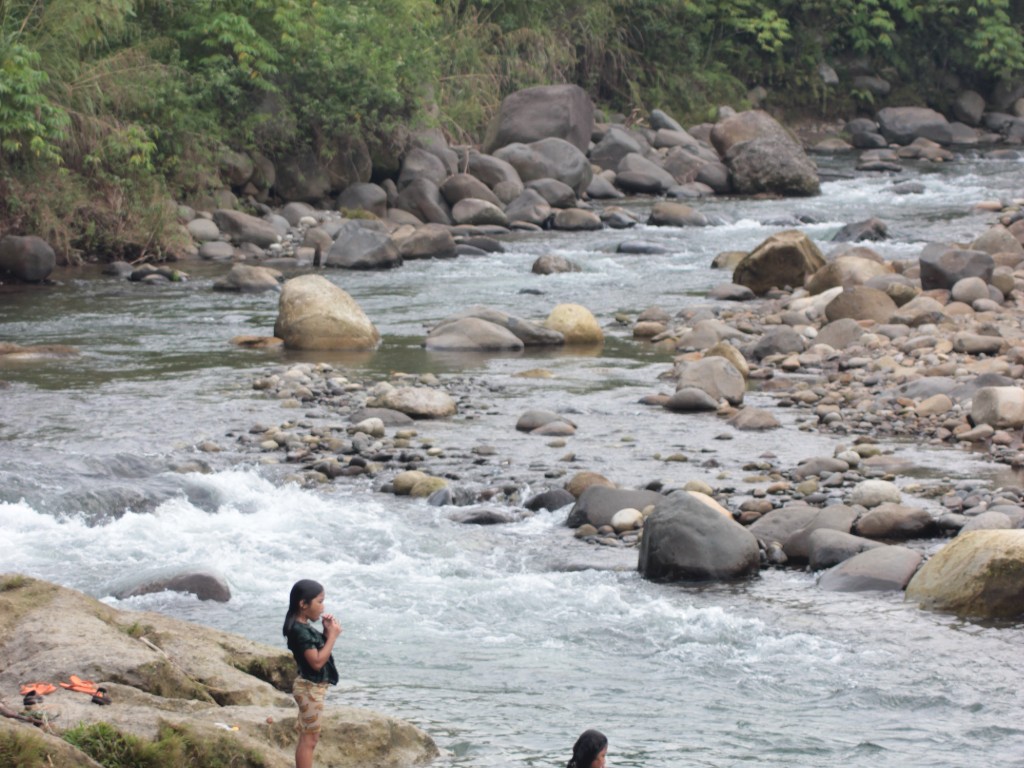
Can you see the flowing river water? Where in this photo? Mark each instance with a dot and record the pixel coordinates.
(498, 640)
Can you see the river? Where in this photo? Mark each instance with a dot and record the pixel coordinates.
(494, 639)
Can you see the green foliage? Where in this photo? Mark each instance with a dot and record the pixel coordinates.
(175, 746)
(13, 581)
(22, 750)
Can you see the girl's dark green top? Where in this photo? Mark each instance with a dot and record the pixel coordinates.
(302, 637)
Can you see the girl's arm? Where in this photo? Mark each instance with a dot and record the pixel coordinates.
(317, 658)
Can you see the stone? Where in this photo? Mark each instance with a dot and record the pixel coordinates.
(472, 334)
(784, 259)
(576, 324)
(871, 493)
(716, 376)
(364, 196)
(246, 278)
(780, 524)
(243, 228)
(627, 519)
(552, 499)
(598, 504)
(357, 246)
(581, 481)
(836, 517)
(861, 302)
(313, 313)
(890, 521)
(846, 271)
(901, 125)
(886, 568)
(827, 547)
(942, 267)
(999, 407)
(979, 574)
(686, 539)
(204, 584)
(28, 258)
(418, 402)
(561, 111)
(669, 214)
(754, 419)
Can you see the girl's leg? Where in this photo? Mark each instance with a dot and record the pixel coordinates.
(304, 749)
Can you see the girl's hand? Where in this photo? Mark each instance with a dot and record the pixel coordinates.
(332, 628)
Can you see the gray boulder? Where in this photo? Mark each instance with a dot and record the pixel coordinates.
(203, 583)
(877, 570)
(246, 278)
(364, 196)
(859, 302)
(243, 228)
(301, 177)
(716, 376)
(942, 266)
(891, 521)
(598, 504)
(422, 164)
(472, 334)
(549, 158)
(779, 525)
(560, 111)
(464, 185)
(358, 247)
(686, 539)
(27, 258)
(613, 146)
(423, 199)
(431, 241)
(901, 125)
(827, 547)
(836, 517)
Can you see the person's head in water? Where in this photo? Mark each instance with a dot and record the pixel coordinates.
(589, 750)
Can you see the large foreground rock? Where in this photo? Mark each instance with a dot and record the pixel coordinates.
(687, 539)
(978, 574)
(164, 673)
(314, 313)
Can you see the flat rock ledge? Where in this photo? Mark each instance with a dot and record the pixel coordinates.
(225, 693)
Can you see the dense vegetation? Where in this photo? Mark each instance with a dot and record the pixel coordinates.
(111, 108)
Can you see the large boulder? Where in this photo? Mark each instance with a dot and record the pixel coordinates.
(530, 333)
(763, 157)
(204, 583)
(779, 525)
(302, 177)
(576, 323)
(545, 111)
(248, 278)
(772, 165)
(314, 313)
(835, 517)
(846, 271)
(784, 259)
(716, 376)
(687, 539)
(598, 504)
(244, 228)
(901, 125)
(879, 569)
(613, 147)
(860, 302)
(418, 402)
(28, 258)
(423, 199)
(364, 196)
(549, 159)
(472, 334)
(1000, 407)
(359, 247)
(979, 574)
(943, 267)
(828, 547)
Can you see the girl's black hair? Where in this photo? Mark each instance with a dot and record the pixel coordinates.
(303, 591)
(586, 749)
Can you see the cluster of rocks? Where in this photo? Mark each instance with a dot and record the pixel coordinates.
(865, 346)
(223, 694)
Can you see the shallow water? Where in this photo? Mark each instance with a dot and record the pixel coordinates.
(493, 639)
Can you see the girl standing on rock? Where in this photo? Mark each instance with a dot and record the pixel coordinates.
(589, 751)
(312, 651)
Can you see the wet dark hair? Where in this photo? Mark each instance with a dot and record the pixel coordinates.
(303, 591)
(586, 749)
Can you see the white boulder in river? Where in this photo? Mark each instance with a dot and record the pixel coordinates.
(314, 313)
